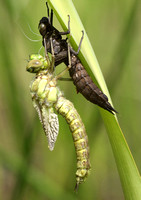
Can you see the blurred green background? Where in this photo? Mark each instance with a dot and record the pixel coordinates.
(28, 170)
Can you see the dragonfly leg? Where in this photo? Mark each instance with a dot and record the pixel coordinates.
(79, 47)
(69, 60)
(47, 9)
(69, 56)
(65, 79)
(46, 54)
(68, 31)
(52, 64)
(59, 76)
(50, 19)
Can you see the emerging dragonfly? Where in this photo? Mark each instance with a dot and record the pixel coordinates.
(79, 75)
(47, 97)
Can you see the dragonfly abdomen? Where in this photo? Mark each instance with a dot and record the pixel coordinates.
(86, 86)
(67, 110)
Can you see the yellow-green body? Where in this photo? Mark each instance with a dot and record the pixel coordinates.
(46, 97)
(67, 110)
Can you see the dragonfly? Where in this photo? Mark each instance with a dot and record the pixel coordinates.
(79, 75)
(47, 99)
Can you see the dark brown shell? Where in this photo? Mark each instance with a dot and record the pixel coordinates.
(81, 79)
(86, 86)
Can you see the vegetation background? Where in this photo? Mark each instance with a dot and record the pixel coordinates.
(28, 170)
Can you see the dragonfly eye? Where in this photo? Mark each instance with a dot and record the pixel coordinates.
(44, 26)
(42, 29)
(34, 66)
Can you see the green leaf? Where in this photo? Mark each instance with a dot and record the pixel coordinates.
(128, 172)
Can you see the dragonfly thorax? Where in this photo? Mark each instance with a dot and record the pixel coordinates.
(43, 88)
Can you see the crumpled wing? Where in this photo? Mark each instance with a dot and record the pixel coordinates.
(49, 121)
(50, 125)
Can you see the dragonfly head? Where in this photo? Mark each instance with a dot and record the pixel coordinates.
(36, 63)
(44, 26)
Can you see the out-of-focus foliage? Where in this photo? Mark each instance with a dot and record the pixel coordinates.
(28, 169)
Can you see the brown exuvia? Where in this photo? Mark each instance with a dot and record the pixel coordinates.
(79, 75)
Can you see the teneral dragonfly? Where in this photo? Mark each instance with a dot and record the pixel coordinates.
(48, 98)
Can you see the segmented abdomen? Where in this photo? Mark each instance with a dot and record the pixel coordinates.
(67, 110)
(86, 86)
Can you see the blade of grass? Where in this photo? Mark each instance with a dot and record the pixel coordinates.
(128, 172)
